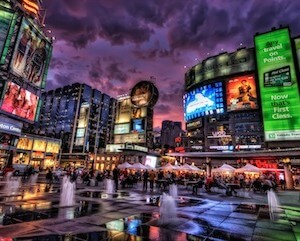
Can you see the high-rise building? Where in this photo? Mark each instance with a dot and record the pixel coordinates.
(82, 117)
(169, 131)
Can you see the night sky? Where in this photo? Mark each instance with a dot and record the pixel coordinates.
(113, 44)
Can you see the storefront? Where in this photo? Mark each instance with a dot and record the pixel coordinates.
(10, 131)
(37, 151)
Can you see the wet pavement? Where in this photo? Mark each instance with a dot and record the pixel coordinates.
(31, 211)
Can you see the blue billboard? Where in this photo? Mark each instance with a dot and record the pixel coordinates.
(203, 101)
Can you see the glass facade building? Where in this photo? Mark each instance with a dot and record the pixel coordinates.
(81, 116)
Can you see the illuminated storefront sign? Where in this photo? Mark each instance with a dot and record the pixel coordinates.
(278, 86)
(10, 128)
(114, 147)
(130, 138)
(25, 143)
(39, 145)
(53, 147)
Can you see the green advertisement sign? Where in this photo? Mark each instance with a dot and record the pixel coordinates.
(278, 86)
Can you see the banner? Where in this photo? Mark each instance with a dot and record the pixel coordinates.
(278, 86)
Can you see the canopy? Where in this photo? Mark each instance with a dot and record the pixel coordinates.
(138, 166)
(224, 168)
(248, 168)
(168, 167)
(196, 169)
(150, 167)
(124, 165)
(185, 167)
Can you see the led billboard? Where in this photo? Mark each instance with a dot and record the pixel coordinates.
(123, 110)
(202, 101)
(138, 125)
(39, 145)
(6, 23)
(53, 147)
(31, 55)
(19, 102)
(137, 113)
(241, 93)
(278, 86)
(122, 128)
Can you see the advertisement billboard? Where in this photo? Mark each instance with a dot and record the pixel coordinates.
(144, 93)
(203, 101)
(241, 93)
(137, 113)
(130, 138)
(25, 143)
(82, 123)
(124, 110)
(221, 65)
(19, 102)
(31, 55)
(138, 125)
(122, 128)
(151, 161)
(6, 23)
(278, 86)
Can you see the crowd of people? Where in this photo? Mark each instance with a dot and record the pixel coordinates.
(151, 179)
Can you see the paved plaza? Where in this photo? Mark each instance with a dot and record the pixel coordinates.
(33, 212)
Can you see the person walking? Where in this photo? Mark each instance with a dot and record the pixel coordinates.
(152, 176)
(145, 180)
(116, 174)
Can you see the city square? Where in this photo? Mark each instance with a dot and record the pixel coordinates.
(148, 120)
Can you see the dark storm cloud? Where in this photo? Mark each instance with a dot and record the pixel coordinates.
(162, 109)
(113, 71)
(56, 63)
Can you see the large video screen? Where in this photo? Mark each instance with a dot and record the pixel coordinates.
(31, 55)
(203, 101)
(138, 125)
(278, 85)
(20, 102)
(6, 17)
(241, 93)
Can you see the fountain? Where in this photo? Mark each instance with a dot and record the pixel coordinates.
(110, 186)
(12, 183)
(33, 179)
(274, 205)
(167, 209)
(67, 196)
(173, 191)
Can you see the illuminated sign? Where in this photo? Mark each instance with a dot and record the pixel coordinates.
(39, 145)
(137, 113)
(151, 161)
(130, 138)
(19, 102)
(25, 143)
(31, 6)
(122, 128)
(138, 125)
(144, 93)
(221, 65)
(6, 17)
(278, 86)
(31, 55)
(7, 127)
(205, 100)
(114, 147)
(123, 111)
(194, 124)
(241, 93)
(53, 147)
